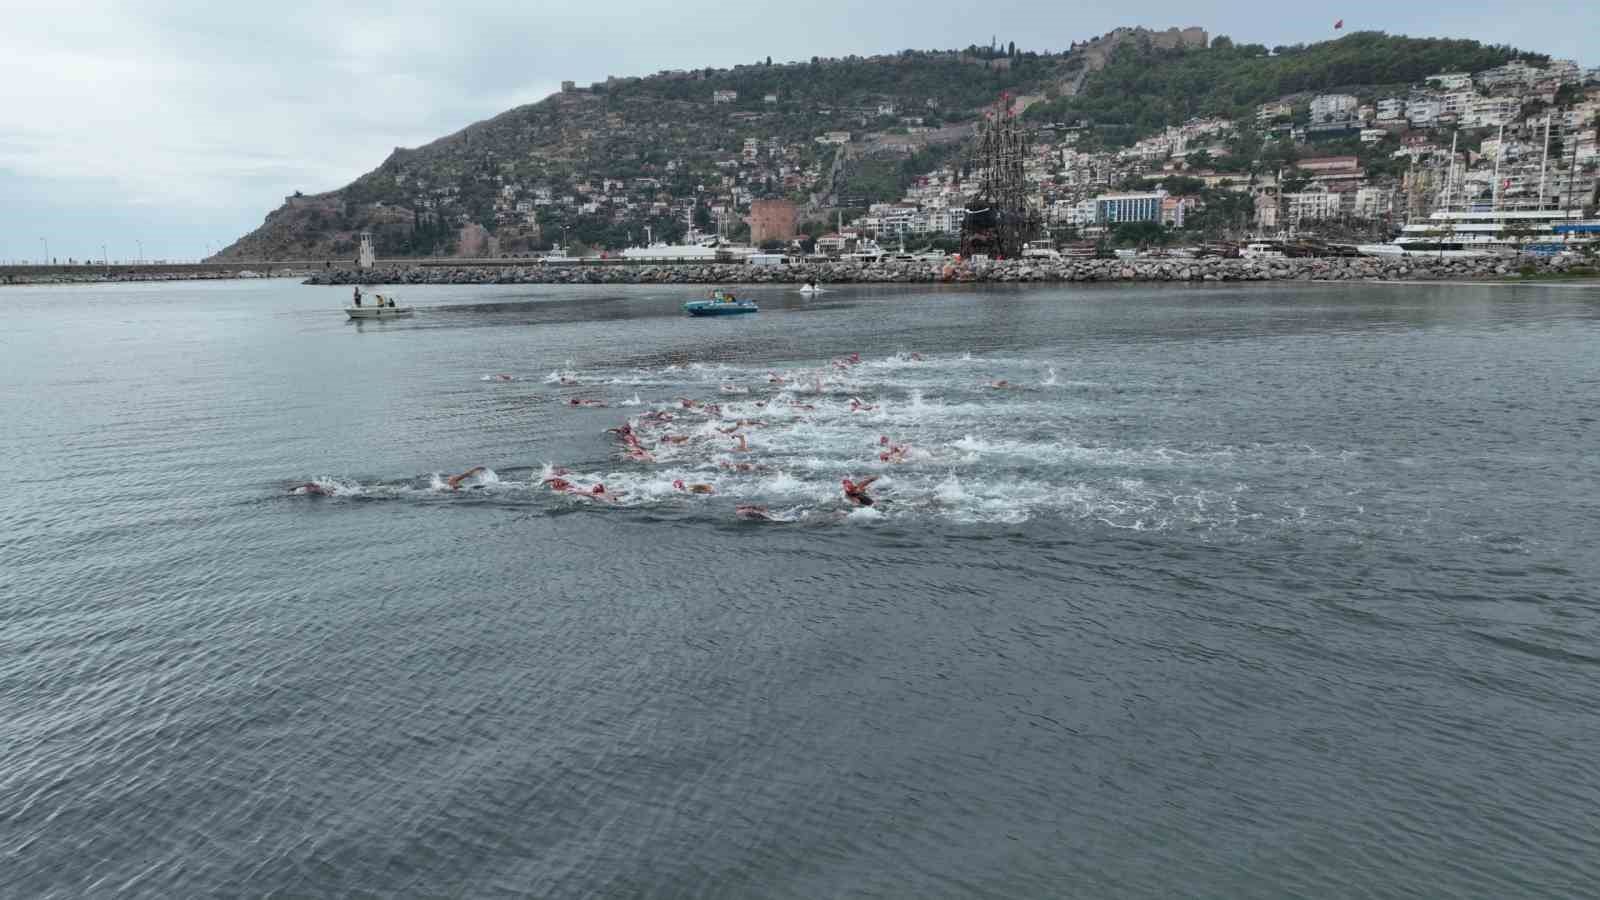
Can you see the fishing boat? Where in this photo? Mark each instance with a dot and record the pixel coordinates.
(382, 308)
(720, 303)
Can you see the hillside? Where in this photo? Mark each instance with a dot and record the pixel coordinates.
(1145, 88)
(665, 140)
(600, 165)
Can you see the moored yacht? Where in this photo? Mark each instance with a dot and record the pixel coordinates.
(1492, 232)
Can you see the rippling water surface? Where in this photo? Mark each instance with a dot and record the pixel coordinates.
(1254, 592)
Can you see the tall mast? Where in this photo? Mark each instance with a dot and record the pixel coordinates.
(1499, 154)
(1572, 170)
(1544, 164)
(1450, 176)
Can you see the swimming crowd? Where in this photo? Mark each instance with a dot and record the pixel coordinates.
(703, 423)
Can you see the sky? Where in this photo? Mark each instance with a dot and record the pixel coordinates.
(169, 128)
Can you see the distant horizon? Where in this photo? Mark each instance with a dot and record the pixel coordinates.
(155, 131)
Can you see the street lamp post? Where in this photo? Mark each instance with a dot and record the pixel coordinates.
(46, 260)
(141, 251)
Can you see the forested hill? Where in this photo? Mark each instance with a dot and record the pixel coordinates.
(1146, 88)
(599, 164)
(669, 139)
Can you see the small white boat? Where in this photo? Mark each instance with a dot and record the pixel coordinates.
(381, 308)
(811, 289)
(379, 312)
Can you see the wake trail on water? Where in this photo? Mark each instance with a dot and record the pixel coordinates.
(956, 438)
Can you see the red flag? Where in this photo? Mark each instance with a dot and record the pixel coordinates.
(1338, 25)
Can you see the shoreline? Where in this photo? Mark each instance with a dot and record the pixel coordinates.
(1367, 268)
(137, 278)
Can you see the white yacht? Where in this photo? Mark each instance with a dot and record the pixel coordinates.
(1044, 249)
(1263, 248)
(695, 247)
(866, 251)
(1486, 231)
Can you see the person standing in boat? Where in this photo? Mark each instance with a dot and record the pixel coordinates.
(358, 296)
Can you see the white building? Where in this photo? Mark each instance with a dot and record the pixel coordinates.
(1270, 111)
(1488, 112)
(1391, 109)
(1267, 210)
(1311, 206)
(1452, 81)
(1113, 209)
(1456, 103)
(834, 137)
(1373, 135)
(1423, 111)
(1373, 203)
(1514, 73)
(1565, 71)
(724, 96)
(1333, 107)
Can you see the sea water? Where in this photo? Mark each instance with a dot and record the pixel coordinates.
(1227, 592)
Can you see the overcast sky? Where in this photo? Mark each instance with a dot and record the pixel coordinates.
(181, 124)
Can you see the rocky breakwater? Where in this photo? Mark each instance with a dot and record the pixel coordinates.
(1008, 271)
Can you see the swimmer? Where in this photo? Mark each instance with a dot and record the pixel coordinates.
(694, 488)
(857, 406)
(775, 378)
(311, 489)
(627, 435)
(856, 491)
(758, 513)
(575, 401)
(640, 454)
(688, 404)
(570, 382)
(1001, 385)
(455, 480)
(915, 357)
(743, 446)
(559, 484)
